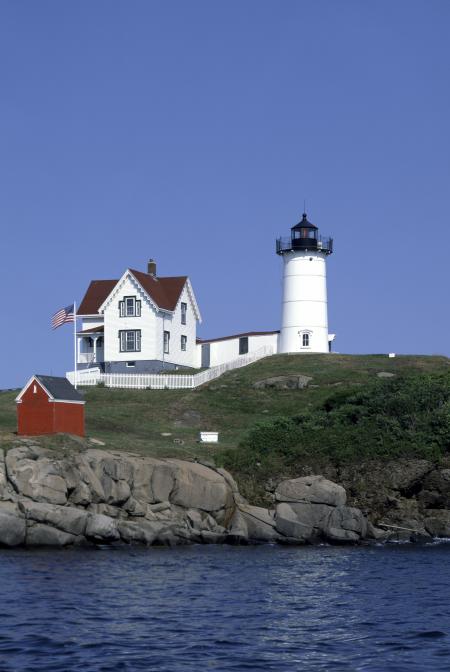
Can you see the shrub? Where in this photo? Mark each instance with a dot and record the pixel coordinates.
(401, 417)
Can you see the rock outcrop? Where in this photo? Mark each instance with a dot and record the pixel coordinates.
(102, 497)
(312, 508)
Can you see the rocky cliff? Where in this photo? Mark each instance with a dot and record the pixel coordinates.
(102, 497)
(408, 496)
(98, 497)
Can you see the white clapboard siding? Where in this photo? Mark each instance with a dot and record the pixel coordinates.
(162, 381)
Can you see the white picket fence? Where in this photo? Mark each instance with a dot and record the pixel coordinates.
(163, 381)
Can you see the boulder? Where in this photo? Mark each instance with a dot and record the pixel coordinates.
(163, 481)
(229, 480)
(12, 530)
(44, 535)
(292, 382)
(201, 521)
(90, 479)
(289, 525)
(314, 489)
(345, 524)
(135, 508)
(108, 510)
(142, 532)
(65, 518)
(101, 528)
(198, 487)
(81, 495)
(116, 466)
(253, 523)
(376, 533)
(38, 478)
(437, 523)
(116, 492)
(159, 507)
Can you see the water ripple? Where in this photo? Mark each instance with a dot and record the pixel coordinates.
(226, 609)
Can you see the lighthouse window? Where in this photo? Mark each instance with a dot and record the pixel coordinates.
(305, 340)
(243, 345)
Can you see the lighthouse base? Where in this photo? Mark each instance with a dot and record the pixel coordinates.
(304, 340)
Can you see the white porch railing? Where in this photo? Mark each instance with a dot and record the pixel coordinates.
(164, 381)
(86, 358)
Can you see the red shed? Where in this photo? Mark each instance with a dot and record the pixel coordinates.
(48, 405)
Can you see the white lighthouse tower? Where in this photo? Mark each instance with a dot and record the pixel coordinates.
(304, 325)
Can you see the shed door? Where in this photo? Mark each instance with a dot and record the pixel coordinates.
(206, 356)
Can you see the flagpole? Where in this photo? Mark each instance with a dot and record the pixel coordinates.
(75, 340)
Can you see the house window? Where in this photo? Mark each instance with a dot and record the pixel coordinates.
(130, 341)
(243, 345)
(183, 313)
(166, 342)
(305, 340)
(130, 365)
(129, 307)
(183, 343)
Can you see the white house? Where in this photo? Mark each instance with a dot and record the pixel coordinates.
(139, 323)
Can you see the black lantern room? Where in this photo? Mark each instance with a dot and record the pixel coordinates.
(304, 236)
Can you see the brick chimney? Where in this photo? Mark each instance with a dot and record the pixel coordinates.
(151, 267)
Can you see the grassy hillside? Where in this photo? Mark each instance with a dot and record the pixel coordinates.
(138, 420)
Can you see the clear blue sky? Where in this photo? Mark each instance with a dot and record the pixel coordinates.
(193, 131)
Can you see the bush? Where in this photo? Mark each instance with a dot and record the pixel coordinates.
(401, 417)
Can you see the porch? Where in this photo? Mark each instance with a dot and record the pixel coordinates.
(90, 346)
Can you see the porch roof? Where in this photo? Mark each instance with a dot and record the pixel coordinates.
(94, 330)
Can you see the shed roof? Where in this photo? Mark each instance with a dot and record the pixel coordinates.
(59, 388)
(247, 333)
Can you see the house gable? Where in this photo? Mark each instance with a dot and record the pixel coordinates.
(128, 277)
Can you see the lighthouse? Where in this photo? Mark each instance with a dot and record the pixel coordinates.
(304, 324)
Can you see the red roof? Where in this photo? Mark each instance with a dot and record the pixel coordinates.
(165, 292)
(94, 330)
(227, 338)
(96, 293)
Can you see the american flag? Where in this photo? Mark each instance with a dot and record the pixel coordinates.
(62, 316)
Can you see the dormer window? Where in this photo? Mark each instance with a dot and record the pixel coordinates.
(183, 313)
(129, 307)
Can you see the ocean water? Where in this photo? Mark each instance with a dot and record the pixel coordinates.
(226, 608)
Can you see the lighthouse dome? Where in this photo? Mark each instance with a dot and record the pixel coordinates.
(304, 224)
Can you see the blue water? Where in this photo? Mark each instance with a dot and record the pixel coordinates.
(226, 608)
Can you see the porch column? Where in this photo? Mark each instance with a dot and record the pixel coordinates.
(95, 348)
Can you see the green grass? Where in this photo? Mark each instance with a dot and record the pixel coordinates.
(134, 420)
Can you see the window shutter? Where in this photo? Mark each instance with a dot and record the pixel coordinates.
(123, 345)
(138, 308)
(121, 308)
(138, 340)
